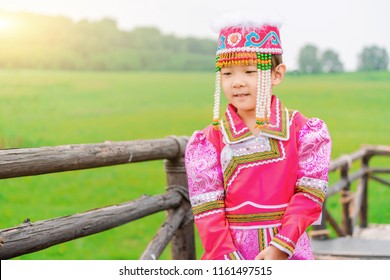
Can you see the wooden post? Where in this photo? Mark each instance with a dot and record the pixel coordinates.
(334, 224)
(320, 232)
(345, 199)
(364, 182)
(164, 235)
(183, 242)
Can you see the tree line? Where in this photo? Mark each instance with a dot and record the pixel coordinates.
(311, 60)
(47, 42)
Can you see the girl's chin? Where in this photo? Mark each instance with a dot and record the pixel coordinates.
(245, 110)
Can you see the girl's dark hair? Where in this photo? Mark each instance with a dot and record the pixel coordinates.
(276, 60)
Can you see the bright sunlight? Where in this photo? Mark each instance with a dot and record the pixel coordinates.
(6, 24)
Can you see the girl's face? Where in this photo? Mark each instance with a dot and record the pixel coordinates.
(239, 84)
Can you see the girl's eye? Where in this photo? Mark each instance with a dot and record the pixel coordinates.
(226, 73)
(251, 71)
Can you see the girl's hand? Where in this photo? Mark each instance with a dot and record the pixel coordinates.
(271, 253)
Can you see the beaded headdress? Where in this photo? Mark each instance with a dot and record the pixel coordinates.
(244, 41)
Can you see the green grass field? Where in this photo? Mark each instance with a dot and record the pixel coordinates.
(42, 108)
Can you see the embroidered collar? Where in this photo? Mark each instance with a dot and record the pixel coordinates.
(235, 130)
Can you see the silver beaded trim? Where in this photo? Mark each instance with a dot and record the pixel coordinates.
(207, 197)
(313, 183)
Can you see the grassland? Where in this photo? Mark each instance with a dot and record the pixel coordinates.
(41, 108)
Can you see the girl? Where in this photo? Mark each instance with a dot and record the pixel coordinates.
(258, 176)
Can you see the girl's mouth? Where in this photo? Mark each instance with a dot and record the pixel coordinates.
(241, 94)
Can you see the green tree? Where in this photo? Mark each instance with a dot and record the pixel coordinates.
(373, 58)
(330, 62)
(146, 38)
(204, 46)
(308, 60)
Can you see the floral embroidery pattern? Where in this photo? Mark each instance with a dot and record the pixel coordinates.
(303, 249)
(247, 242)
(314, 150)
(203, 170)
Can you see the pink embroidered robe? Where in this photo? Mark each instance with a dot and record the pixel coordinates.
(250, 192)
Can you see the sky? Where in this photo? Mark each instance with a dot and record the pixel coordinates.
(344, 26)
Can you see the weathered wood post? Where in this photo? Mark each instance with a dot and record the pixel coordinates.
(320, 232)
(183, 242)
(364, 182)
(346, 198)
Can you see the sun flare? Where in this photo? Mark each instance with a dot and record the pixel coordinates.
(6, 24)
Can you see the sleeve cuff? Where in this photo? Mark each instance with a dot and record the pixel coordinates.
(284, 244)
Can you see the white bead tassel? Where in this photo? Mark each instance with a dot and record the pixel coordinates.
(268, 93)
(258, 94)
(261, 99)
(217, 98)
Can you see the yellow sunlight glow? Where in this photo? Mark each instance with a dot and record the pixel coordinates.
(6, 24)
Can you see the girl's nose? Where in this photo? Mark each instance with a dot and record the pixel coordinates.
(238, 82)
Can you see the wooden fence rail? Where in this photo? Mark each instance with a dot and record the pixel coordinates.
(35, 161)
(32, 237)
(178, 226)
(354, 204)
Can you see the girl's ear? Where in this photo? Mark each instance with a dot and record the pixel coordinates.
(278, 74)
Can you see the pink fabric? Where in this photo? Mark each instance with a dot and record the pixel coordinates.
(314, 150)
(247, 242)
(266, 37)
(303, 249)
(203, 169)
(262, 185)
(205, 178)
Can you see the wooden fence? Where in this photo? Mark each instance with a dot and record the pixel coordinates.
(354, 204)
(178, 226)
